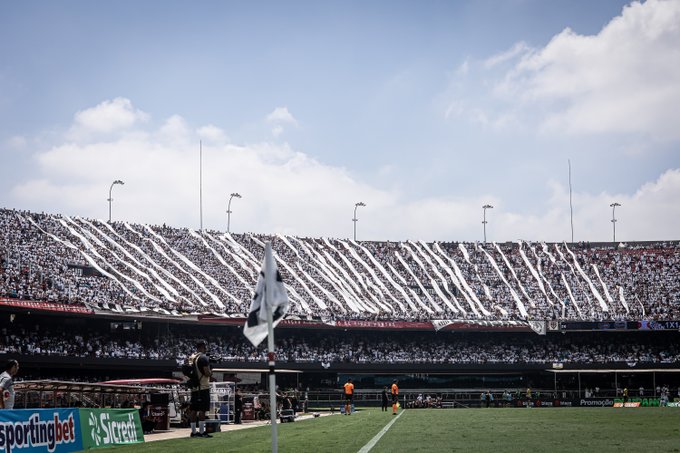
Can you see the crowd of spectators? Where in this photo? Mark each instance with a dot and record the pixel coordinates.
(137, 268)
(327, 348)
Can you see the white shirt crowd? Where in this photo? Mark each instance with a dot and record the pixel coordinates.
(136, 268)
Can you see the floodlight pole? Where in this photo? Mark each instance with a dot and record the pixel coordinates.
(110, 199)
(355, 220)
(613, 206)
(233, 195)
(484, 222)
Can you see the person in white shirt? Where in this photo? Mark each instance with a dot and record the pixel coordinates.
(7, 384)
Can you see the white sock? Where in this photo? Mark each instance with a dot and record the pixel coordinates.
(201, 427)
(193, 427)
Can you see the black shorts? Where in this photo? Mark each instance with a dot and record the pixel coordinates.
(395, 398)
(200, 400)
(349, 397)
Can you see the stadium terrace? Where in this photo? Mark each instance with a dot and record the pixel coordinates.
(137, 269)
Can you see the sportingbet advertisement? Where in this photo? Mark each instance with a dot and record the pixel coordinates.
(67, 430)
(40, 430)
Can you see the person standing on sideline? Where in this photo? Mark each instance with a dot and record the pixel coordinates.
(200, 395)
(238, 407)
(385, 400)
(349, 396)
(395, 397)
(7, 384)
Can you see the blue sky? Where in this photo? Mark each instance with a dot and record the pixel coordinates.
(423, 110)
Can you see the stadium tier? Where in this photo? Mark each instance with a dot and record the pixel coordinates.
(137, 269)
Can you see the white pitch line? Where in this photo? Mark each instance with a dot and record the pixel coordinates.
(366, 448)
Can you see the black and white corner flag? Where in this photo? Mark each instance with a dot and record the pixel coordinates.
(268, 291)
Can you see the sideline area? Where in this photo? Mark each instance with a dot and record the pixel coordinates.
(179, 433)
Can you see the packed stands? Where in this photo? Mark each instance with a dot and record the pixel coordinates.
(130, 268)
(230, 346)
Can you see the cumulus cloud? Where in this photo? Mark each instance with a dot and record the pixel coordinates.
(288, 191)
(625, 79)
(281, 115)
(212, 133)
(279, 118)
(107, 117)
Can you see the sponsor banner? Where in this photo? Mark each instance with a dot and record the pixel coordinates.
(593, 402)
(107, 427)
(659, 325)
(673, 404)
(642, 402)
(552, 403)
(46, 306)
(622, 404)
(367, 324)
(40, 430)
(601, 325)
(443, 324)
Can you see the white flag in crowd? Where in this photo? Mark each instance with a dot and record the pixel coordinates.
(268, 291)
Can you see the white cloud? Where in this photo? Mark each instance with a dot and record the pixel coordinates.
(174, 130)
(287, 191)
(107, 117)
(516, 50)
(281, 115)
(212, 133)
(277, 130)
(625, 79)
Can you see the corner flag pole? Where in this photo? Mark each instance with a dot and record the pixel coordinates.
(270, 279)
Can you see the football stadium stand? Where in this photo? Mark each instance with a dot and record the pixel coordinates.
(129, 268)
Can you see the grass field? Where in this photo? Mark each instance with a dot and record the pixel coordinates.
(461, 430)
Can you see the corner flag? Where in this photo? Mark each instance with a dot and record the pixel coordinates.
(269, 291)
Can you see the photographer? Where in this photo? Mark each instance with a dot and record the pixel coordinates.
(200, 390)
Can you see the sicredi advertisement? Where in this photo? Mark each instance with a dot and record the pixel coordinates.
(67, 430)
(106, 427)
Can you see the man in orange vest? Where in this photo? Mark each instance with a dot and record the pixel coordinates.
(349, 395)
(395, 397)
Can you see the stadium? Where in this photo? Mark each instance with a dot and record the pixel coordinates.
(179, 271)
(104, 314)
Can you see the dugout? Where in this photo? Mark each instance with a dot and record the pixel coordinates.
(164, 401)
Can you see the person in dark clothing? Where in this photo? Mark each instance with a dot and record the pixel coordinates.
(148, 422)
(200, 393)
(238, 407)
(385, 399)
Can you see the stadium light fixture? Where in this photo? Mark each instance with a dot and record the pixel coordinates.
(233, 195)
(355, 220)
(110, 199)
(484, 222)
(613, 206)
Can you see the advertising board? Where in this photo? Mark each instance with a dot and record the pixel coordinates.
(66, 430)
(106, 427)
(40, 430)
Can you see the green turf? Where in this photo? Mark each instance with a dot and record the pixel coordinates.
(492, 430)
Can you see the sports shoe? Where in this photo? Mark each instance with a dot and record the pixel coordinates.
(205, 435)
(195, 434)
